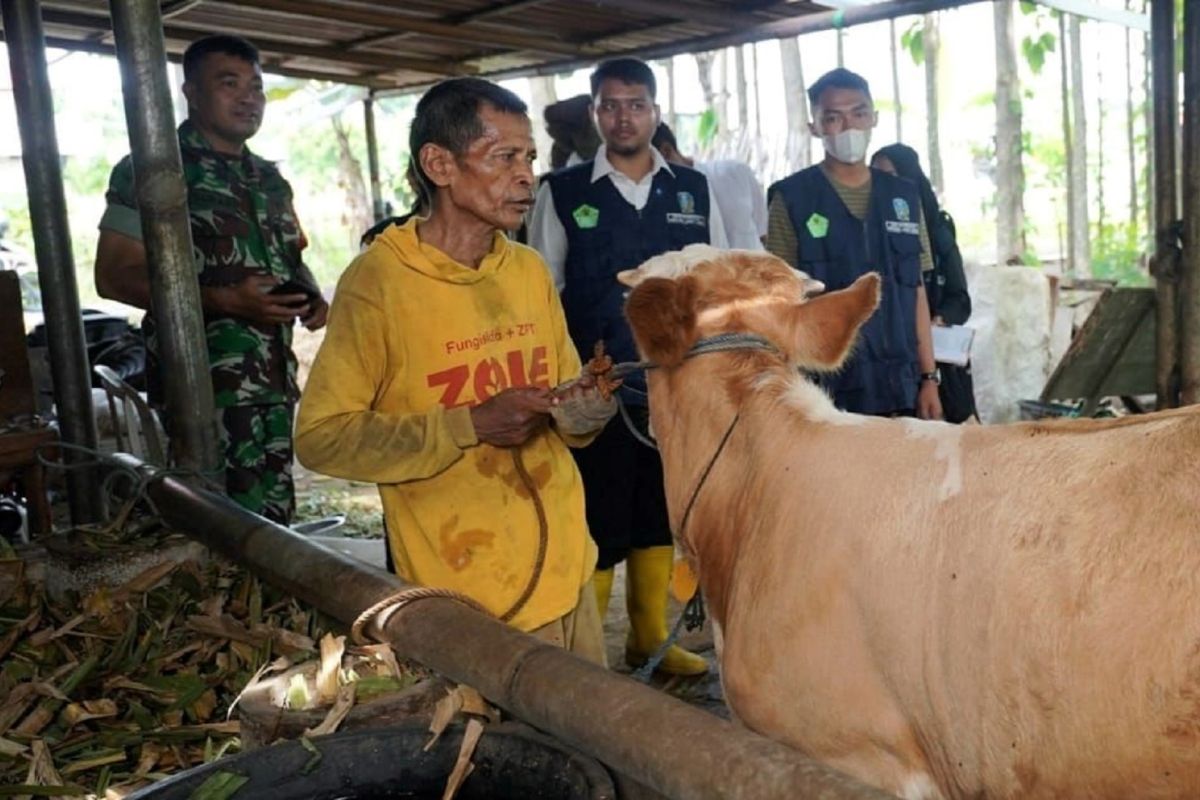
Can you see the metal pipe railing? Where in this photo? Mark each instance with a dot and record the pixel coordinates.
(643, 734)
(52, 246)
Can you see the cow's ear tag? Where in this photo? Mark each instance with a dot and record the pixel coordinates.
(683, 581)
(818, 226)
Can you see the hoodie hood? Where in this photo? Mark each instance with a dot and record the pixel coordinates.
(422, 257)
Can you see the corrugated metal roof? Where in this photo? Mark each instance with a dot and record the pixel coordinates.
(398, 45)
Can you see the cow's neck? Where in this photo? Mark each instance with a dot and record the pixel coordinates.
(692, 409)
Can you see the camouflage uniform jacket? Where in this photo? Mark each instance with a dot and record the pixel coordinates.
(243, 223)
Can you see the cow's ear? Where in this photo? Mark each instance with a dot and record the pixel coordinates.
(827, 325)
(630, 277)
(662, 314)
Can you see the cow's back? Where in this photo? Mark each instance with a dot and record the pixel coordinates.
(1020, 605)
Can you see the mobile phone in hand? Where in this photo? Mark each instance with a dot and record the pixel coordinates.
(293, 286)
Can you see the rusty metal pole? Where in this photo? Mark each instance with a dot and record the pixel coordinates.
(1189, 301)
(166, 233)
(52, 245)
(1164, 265)
(646, 735)
(373, 157)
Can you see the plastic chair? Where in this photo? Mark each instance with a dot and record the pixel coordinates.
(135, 424)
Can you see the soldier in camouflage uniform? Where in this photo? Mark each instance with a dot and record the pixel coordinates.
(246, 240)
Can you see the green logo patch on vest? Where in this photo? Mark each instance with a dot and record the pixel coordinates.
(586, 216)
(818, 226)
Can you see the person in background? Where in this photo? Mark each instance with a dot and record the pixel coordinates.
(247, 241)
(741, 197)
(840, 219)
(420, 208)
(590, 222)
(946, 283)
(569, 123)
(448, 379)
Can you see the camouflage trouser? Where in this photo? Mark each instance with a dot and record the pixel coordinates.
(257, 444)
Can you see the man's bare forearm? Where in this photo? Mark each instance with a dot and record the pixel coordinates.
(924, 333)
(122, 273)
(130, 285)
(126, 284)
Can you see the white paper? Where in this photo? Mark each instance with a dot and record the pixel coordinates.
(952, 344)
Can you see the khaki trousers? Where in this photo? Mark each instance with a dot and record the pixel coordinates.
(579, 631)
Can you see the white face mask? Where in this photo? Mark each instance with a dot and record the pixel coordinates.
(849, 146)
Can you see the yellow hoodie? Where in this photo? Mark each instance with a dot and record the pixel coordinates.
(414, 340)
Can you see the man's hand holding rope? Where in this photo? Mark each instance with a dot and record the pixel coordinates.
(586, 404)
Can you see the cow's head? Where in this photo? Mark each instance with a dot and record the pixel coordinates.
(680, 297)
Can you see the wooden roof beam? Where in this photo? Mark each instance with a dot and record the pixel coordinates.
(494, 10)
(776, 29)
(171, 8)
(686, 12)
(371, 80)
(107, 49)
(380, 17)
(1136, 20)
(377, 60)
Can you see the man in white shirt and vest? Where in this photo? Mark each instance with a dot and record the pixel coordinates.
(590, 222)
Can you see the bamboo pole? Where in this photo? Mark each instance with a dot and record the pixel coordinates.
(52, 246)
(167, 234)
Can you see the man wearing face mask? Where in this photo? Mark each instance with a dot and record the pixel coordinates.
(840, 219)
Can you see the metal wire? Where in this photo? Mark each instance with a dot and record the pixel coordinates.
(128, 499)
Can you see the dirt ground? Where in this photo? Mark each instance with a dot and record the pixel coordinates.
(305, 344)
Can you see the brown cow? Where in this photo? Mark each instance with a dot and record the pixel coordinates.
(940, 611)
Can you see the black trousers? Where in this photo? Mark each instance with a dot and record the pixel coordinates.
(957, 393)
(623, 490)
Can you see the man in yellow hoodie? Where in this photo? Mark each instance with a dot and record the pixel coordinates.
(441, 379)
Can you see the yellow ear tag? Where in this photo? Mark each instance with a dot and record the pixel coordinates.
(683, 581)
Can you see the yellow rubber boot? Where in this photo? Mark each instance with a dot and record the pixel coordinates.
(647, 576)
(602, 581)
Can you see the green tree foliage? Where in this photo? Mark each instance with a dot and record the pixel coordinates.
(1050, 159)
(86, 175)
(1035, 49)
(314, 167)
(708, 126)
(913, 40)
(1036, 46)
(1117, 254)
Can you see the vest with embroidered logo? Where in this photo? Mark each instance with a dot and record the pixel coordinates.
(881, 376)
(605, 235)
